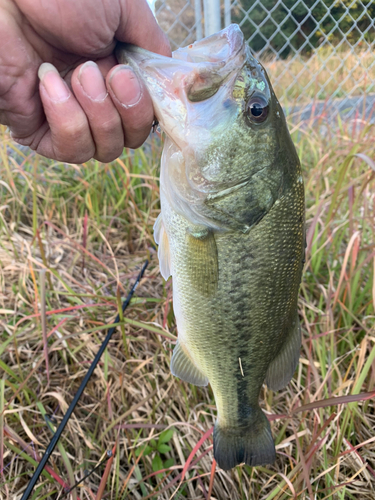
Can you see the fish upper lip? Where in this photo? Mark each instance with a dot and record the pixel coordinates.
(231, 37)
(124, 53)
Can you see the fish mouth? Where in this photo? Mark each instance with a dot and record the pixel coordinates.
(180, 87)
(216, 48)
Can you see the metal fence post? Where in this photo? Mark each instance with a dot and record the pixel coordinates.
(227, 14)
(198, 18)
(212, 21)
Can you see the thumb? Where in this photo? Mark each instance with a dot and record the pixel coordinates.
(139, 27)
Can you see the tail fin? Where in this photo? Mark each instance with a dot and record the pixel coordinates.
(252, 444)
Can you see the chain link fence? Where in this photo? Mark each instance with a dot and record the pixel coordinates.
(320, 54)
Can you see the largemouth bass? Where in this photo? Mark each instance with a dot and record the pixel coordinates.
(231, 231)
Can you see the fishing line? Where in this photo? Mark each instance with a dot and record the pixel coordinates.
(107, 457)
(52, 420)
(82, 387)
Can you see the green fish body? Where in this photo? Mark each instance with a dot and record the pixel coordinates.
(230, 233)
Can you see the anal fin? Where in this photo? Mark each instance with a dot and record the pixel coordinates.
(282, 368)
(184, 368)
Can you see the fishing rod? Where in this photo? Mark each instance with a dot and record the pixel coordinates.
(82, 387)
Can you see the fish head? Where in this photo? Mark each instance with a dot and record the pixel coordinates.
(190, 91)
(224, 124)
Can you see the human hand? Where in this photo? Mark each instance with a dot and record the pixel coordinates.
(80, 109)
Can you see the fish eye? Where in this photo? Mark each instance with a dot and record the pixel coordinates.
(257, 109)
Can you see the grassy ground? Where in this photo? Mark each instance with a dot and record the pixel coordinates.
(72, 239)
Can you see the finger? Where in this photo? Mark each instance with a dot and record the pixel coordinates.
(20, 106)
(83, 27)
(138, 26)
(68, 26)
(68, 137)
(105, 122)
(133, 104)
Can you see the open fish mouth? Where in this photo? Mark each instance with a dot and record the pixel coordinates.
(181, 86)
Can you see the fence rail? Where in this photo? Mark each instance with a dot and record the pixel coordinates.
(313, 50)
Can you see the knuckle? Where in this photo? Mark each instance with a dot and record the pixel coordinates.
(73, 142)
(108, 127)
(135, 140)
(135, 143)
(73, 156)
(73, 129)
(140, 122)
(108, 156)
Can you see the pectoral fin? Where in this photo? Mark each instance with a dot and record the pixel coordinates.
(161, 239)
(202, 261)
(281, 370)
(183, 367)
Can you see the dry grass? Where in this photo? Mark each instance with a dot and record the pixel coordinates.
(327, 72)
(86, 230)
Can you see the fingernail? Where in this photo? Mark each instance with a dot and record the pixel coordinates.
(55, 86)
(92, 81)
(128, 93)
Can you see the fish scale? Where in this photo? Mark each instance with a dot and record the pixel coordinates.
(231, 232)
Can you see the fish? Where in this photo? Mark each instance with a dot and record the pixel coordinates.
(231, 231)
